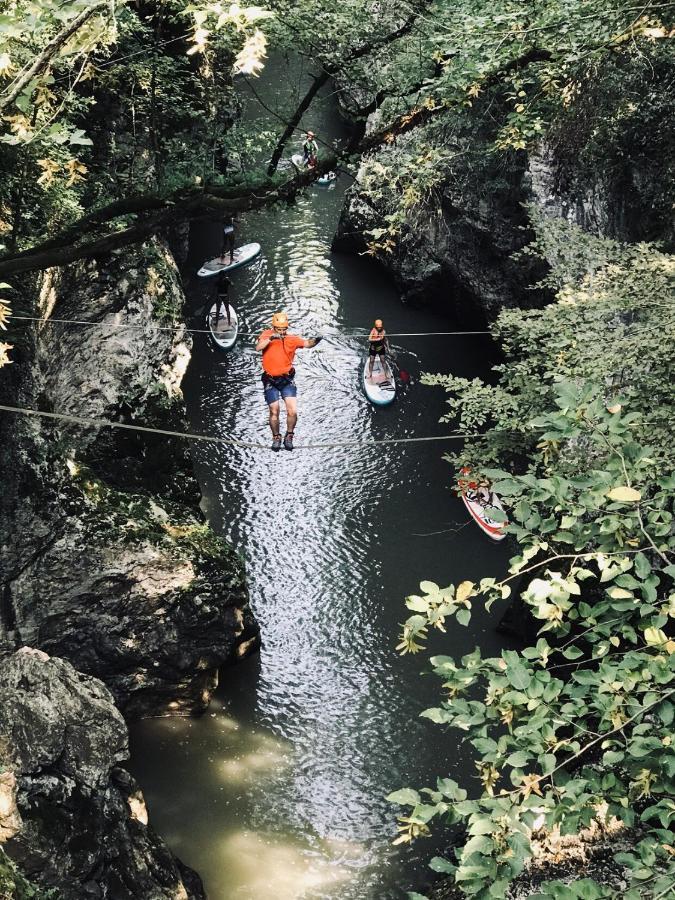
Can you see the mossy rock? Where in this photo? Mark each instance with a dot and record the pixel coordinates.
(14, 886)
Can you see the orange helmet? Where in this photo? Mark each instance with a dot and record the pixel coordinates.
(379, 323)
(280, 320)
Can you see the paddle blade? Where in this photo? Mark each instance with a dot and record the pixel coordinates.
(404, 376)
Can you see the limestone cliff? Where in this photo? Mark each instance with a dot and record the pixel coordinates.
(106, 559)
(465, 220)
(460, 258)
(72, 819)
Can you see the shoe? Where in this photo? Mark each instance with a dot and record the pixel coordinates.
(288, 440)
(276, 443)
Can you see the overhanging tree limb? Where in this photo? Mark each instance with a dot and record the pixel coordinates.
(329, 71)
(420, 115)
(185, 205)
(43, 60)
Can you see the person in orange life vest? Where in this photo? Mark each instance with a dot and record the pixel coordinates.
(378, 345)
(278, 378)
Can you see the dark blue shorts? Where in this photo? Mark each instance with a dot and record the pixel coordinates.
(274, 394)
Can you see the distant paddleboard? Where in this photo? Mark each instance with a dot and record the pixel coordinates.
(242, 255)
(298, 161)
(328, 178)
(223, 334)
(381, 388)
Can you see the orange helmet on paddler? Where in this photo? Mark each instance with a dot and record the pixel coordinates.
(280, 320)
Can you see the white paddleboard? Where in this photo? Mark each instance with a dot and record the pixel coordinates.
(298, 161)
(381, 389)
(242, 255)
(223, 334)
(328, 178)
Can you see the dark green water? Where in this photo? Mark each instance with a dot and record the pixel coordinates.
(279, 790)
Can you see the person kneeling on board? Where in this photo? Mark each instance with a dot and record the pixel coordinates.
(228, 240)
(278, 378)
(222, 298)
(378, 345)
(478, 491)
(310, 150)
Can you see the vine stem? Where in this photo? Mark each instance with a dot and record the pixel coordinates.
(583, 556)
(595, 741)
(618, 453)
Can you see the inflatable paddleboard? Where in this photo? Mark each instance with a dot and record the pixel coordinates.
(242, 255)
(223, 334)
(298, 161)
(328, 178)
(381, 389)
(480, 501)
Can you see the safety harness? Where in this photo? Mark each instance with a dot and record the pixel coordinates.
(280, 381)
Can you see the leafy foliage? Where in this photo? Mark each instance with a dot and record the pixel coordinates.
(577, 728)
(589, 80)
(120, 105)
(13, 885)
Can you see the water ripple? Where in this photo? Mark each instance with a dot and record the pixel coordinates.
(295, 762)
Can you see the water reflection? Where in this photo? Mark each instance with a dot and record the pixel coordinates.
(281, 792)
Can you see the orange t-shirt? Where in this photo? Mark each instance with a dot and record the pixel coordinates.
(277, 357)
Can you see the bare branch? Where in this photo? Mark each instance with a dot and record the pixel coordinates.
(42, 61)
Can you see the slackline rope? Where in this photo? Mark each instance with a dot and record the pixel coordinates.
(252, 445)
(176, 328)
(234, 442)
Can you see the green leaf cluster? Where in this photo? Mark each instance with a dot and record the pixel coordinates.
(576, 729)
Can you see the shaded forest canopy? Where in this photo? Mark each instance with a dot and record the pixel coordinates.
(122, 119)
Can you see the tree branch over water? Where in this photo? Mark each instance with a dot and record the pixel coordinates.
(329, 71)
(155, 212)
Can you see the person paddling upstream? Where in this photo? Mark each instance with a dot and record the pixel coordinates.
(310, 150)
(278, 378)
(378, 345)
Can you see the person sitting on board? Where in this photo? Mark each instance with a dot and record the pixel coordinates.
(228, 240)
(476, 491)
(310, 151)
(378, 345)
(278, 378)
(222, 298)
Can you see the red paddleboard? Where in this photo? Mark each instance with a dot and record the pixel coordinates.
(480, 501)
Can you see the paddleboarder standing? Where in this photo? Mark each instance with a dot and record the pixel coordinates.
(310, 150)
(222, 297)
(278, 350)
(378, 345)
(228, 240)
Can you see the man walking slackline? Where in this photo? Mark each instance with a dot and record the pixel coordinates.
(278, 378)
